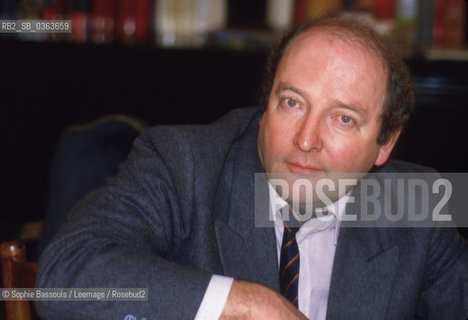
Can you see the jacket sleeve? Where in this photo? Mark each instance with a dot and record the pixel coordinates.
(125, 235)
(444, 292)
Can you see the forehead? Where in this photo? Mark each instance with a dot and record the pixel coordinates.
(334, 42)
(347, 69)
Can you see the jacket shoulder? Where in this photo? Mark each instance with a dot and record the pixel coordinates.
(399, 166)
(210, 143)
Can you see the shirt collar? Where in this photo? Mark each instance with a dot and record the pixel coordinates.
(331, 220)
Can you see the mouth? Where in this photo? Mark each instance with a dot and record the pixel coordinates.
(304, 169)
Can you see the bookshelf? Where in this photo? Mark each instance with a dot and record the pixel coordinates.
(436, 27)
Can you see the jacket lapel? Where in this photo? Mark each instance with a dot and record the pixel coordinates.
(246, 251)
(364, 270)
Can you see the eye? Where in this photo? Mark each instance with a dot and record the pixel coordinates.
(345, 119)
(290, 102)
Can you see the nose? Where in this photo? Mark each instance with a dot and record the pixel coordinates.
(308, 135)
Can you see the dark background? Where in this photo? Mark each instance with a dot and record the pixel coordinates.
(45, 87)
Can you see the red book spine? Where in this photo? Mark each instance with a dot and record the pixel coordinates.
(455, 24)
(133, 21)
(300, 11)
(102, 21)
(143, 11)
(79, 22)
(384, 9)
(439, 26)
(449, 24)
(125, 23)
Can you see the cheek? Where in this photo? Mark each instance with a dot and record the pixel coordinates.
(351, 155)
(279, 137)
(276, 140)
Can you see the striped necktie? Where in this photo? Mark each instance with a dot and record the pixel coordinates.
(289, 265)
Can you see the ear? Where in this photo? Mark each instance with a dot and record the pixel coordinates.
(386, 148)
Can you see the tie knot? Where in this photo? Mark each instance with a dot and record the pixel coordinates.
(291, 220)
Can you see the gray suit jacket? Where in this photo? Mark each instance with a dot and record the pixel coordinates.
(181, 208)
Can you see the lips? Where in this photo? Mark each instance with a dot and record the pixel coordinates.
(302, 168)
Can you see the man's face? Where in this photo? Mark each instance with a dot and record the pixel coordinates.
(324, 109)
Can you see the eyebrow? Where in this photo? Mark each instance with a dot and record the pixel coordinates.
(286, 87)
(356, 108)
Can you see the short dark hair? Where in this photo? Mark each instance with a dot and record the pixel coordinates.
(399, 99)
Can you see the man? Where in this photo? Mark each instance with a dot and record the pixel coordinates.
(179, 218)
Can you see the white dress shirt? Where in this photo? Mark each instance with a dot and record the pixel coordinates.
(316, 240)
